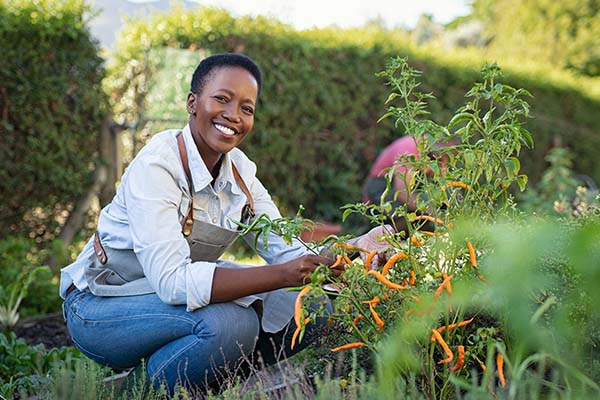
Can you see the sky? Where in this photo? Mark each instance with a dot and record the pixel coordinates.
(304, 14)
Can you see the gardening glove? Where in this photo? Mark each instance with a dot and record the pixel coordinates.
(375, 240)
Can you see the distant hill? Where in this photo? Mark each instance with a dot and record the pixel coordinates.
(109, 19)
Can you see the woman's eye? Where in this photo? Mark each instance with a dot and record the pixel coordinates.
(248, 110)
(221, 99)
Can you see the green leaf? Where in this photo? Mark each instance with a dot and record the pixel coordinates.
(512, 166)
(459, 118)
(522, 181)
(469, 158)
(528, 138)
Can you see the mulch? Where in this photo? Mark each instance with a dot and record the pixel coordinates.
(49, 330)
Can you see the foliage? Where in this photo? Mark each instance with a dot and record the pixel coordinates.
(51, 110)
(560, 191)
(11, 297)
(316, 118)
(563, 34)
(473, 306)
(24, 369)
(20, 262)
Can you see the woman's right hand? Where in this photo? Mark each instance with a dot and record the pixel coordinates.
(297, 271)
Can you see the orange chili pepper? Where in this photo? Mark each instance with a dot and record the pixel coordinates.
(448, 285)
(456, 184)
(355, 321)
(373, 301)
(390, 263)
(439, 290)
(472, 258)
(376, 317)
(338, 261)
(413, 278)
(444, 345)
(348, 346)
(385, 281)
(460, 359)
(483, 367)
(297, 332)
(415, 241)
(452, 326)
(298, 305)
(350, 247)
(429, 218)
(369, 259)
(347, 260)
(500, 368)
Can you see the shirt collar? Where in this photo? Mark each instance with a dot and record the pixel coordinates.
(201, 176)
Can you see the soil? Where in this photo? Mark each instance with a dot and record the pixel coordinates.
(49, 330)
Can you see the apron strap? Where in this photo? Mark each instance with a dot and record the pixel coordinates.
(188, 222)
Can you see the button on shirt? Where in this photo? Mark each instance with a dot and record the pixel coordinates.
(151, 201)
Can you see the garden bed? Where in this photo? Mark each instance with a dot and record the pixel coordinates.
(49, 330)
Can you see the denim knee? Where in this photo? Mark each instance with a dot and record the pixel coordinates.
(229, 324)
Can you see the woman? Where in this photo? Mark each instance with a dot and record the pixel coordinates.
(149, 284)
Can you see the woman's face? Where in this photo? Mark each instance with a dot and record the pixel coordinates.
(222, 115)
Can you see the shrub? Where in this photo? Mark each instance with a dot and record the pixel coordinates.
(24, 369)
(316, 133)
(20, 259)
(51, 109)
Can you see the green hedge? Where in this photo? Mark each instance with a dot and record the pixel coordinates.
(316, 133)
(51, 109)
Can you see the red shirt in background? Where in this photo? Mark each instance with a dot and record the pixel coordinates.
(387, 158)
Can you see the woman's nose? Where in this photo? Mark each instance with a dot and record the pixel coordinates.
(231, 114)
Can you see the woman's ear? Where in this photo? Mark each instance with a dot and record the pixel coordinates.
(191, 103)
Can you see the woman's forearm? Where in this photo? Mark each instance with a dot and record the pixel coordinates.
(232, 283)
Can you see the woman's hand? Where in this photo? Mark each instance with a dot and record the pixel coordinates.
(298, 271)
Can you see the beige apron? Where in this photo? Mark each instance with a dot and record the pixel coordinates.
(119, 273)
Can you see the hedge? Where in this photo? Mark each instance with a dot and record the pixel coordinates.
(51, 108)
(316, 131)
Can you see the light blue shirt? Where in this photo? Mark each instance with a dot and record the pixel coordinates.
(146, 214)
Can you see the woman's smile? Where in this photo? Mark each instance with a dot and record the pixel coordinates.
(227, 131)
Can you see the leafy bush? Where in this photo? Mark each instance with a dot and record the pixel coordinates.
(493, 301)
(51, 110)
(24, 369)
(20, 258)
(316, 119)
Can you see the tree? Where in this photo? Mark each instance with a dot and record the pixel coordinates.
(560, 33)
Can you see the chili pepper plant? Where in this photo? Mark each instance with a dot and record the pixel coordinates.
(429, 302)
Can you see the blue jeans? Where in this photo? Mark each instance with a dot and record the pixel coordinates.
(179, 347)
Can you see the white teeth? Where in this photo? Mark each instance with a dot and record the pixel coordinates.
(225, 130)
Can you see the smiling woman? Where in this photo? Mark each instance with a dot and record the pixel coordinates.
(149, 285)
(223, 113)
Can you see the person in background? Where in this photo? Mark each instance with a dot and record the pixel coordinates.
(375, 184)
(149, 285)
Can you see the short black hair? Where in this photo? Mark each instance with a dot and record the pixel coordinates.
(210, 64)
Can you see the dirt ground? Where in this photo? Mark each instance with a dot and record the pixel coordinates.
(49, 330)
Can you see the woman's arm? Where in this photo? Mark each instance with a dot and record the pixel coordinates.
(230, 284)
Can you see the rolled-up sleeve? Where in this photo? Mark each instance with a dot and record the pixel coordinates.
(153, 196)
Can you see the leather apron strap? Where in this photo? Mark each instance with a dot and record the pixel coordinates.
(188, 222)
